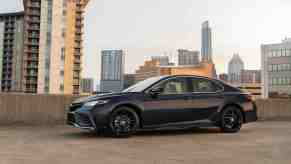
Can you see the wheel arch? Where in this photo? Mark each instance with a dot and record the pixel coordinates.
(237, 106)
(136, 108)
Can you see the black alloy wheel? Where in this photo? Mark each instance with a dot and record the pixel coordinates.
(123, 122)
(231, 120)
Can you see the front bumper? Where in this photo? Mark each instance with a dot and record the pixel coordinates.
(80, 120)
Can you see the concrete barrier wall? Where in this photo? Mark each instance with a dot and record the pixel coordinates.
(51, 109)
(33, 109)
(274, 109)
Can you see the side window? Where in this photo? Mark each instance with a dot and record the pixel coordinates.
(203, 85)
(174, 86)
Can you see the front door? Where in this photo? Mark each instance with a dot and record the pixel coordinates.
(169, 106)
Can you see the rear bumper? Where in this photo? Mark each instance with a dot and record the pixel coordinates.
(251, 116)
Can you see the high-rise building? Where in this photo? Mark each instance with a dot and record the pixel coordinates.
(52, 46)
(112, 70)
(11, 50)
(128, 80)
(164, 60)
(187, 57)
(250, 76)
(206, 49)
(235, 67)
(276, 69)
(87, 85)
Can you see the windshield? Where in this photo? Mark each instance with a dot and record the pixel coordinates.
(141, 86)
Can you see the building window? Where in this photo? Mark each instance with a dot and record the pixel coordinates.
(270, 68)
(62, 73)
(62, 87)
(274, 68)
(274, 81)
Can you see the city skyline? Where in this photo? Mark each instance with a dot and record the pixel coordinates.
(236, 26)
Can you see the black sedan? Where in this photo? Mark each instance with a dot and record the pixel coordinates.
(165, 102)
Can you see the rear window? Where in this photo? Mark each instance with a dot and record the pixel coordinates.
(204, 85)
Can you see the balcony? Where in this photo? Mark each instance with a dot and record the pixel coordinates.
(79, 9)
(77, 60)
(79, 31)
(78, 47)
(33, 4)
(33, 12)
(37, 28)
(32, 66)
(78, 38)
(29, 50)
(33, 36)
(8, 43)
(33, 82)
(77, 67)
(33, 19)
(8, 49)
(9, 31)
(79, 17)
(10, 26)
(32, 43)
(31, 58)
(6, 62)
(31, 74)
(79, 24)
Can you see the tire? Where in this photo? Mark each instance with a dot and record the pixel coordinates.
(123, 122)
(231, 120)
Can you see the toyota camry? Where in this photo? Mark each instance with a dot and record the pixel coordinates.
(165, 102)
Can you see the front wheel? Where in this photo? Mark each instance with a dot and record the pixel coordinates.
(231, 120)
(123, 122)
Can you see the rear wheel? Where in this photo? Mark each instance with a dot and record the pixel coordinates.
(231, 120)
(123, 122)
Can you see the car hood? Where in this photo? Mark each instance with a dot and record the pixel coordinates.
(99, 96)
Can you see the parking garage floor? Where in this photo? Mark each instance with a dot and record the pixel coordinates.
(257, 143)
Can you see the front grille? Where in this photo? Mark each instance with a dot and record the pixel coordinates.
(75, 107)
(71, 118)
(83, 120)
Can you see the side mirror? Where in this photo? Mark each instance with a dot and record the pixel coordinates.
(156, 91)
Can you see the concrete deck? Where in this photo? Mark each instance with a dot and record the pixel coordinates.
(257, 143)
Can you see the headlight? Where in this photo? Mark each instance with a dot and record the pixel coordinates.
(97, 102)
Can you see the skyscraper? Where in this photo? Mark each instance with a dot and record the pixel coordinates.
(112, 70)
(235, 67)
(87, 85)
(276, 69)
(187, 57)
(52, 46)
(206, 39)
(11, 50)
(164, 60)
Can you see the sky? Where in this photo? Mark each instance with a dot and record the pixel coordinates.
(156, 27)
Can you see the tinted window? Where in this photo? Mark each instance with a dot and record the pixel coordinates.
(203, 85)
(139, 87)
(174, 86)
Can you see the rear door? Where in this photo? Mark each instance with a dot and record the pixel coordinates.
(206, 98)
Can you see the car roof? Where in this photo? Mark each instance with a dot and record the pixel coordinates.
(169, 76)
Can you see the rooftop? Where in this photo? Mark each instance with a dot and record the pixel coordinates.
(19, 13)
